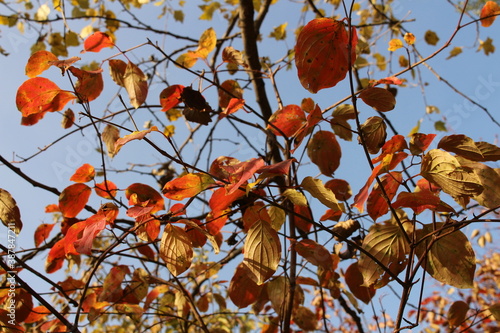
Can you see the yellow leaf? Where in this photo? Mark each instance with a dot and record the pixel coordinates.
(409, 38)
(454, 52)
(431, 37)
(295, 197)
(136, 84)
(187, 59)
(208, 10)
(279, 32)
(395, 44)
(42, 13)
(9, 212)
(487, 46)
(318, 190)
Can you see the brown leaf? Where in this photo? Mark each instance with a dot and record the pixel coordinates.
(464, 146)
(457, 313)
(378, 98)
(354, 280)
(344, 229)
(135, 82)
(9, 212)
(243, 291)
(110, 135)
(117, 70)
(324, 151)
(374, 134)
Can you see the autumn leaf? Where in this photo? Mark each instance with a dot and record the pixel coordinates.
(354, 281)
(64, 64)
(136, 135)
(409, 38)
(37, 313)
(457, 313)
(420, 142)
(324, 150)
(242, 172)
(68, 119)
(450, 260)
(262, 251)
(234, 105)
(322, 53)
(490, 180)
(73, 199)
(378, 98)
(395, 44)
(96, 42)
(377, 205)
(9, 212)
(135, 82)
(111, 288)
(305, 318)
(207, 43)
(176, 249)
(83, 174)
(420, 201)
(464, 146)
(444, 170)
(110, 135)
(197, 109)
(431, 37)
(340, 188)
(295, 197)
(39, 62)
(107, 189)
(243, 291)
(40, 95)
(171, 96)
(228, 90)
(286, 121)
(385, 242)
(314, 253)
(187, 186)
(316, 188)
(42, 232)
(232, 56)
(344, 229)
(89, 85)
(91, 228)
(489, 13)
(374, 133)
(144, 195)
(117, 70)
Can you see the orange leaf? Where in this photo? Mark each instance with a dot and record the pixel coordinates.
(37, 314)
(234, 105)
(197, 236)
(106, 189)
(221, 200)
(324, 151)
(315, 253)
(419, 142)
(56, 256)
(187, 186)
(73, 199)
(42, 233)
(145, 196)
(111, 288)
(321, 53)
(83, 174)
(89, 85)
(489, 13)
(171, 97)
(420, 201)
(255, 213)
(378, 98)
(40, 95)
(93, 226)
(52, 208)
(355, 282)
(96, 42)
(39, 62)
(233, 91)
(314, 117)
(243, 291)
(287, 121)
(232, 56)
(63, 65)
(340, 188)
(301, 223)
(395, 144)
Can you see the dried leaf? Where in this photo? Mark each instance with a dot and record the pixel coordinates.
(419, 142)
(354, 280)
(490, 180)
(262, 251)
(133, 136)
(176, 249)
(110, 135)
(314, 253)
(374, 134)
(232, 56)
(9, 212)
(340, 188)
(135, 82)
(117, 70)
(457, 313)
(321, 53)
(68, 119)
(464, 146)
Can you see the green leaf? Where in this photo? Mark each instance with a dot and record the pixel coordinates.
(441, 168)
(450, 260)
(440, 126)
(387, 243)
(262, 251)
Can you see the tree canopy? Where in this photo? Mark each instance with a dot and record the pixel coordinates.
(251, 166)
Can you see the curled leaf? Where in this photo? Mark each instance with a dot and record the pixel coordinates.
(9, 212)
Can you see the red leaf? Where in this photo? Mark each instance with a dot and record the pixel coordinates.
(340, 188)
(39, 62)
(243, 291)
(42, 233)
(96, 42)
(89, 85)
(40, 95)
(55, 258)
(221, 200)
(280, 168)
(106, 189)
(321, 53)
(376, 205)
(234, 105)
(52, 208)
(73, 199)
(324, 151)
(93, 226)
(301, 223)
(378, 98)
(137, 135)
(83, 174)
(395, 144)
(314, 117)
(287, 121)
(144, 195)
(234, 91)
(170, 97)
(315, 253)
(145, 250)
(420, 201)
(198, 238)
(243, 172)
(390, 80)
(32, 119)
(63, 65)
(419, 142)
(111, 288)
(489, 12)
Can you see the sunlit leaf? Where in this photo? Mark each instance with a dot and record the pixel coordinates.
(110, 135)
(117, 70)
(9, 212)
(279, 32)
(137, 135)
(107, 189)
(135, 82)
(37, 313)
(377, 205)
(321, 53)
(324, 150)
(296, 197)
(287, 121)
(464, 146)
(451, 259)
(176, 249)
(420, 201)
(262, 251)
(386, 242)
(39, 62)
(144, 195)
(83, 174)
(207, 43)
(42, 232)
(374, 133)
(232, 56)
(316, 188)
(171, 96)
(490, 180)
(96, 42)
(187, 186)
(409, 38)
(73, 199)
(40, 95)
(344, 229)
(419, 142)
(454, 52)
(489, 13)
(395, 44)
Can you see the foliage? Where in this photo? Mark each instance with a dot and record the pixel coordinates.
(188, 243)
